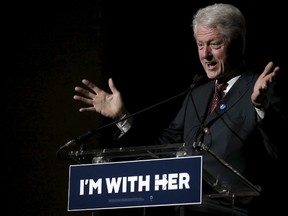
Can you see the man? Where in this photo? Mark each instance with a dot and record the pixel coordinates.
(234, 130)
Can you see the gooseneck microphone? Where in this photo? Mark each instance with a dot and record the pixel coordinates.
(86, 136)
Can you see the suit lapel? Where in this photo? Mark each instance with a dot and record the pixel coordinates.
(242, 85)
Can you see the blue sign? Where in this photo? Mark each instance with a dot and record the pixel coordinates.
(142, 183)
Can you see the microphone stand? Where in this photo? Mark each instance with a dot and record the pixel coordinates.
(198, 145)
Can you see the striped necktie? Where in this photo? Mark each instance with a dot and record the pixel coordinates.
(219, 87)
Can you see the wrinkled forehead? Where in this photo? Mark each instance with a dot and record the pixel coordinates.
(204, 33)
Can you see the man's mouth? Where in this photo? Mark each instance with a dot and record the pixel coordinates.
(211, 65)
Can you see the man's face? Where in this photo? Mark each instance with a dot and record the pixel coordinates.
(212, 51)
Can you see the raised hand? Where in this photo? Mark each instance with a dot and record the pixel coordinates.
(259, 95)
(107, 104)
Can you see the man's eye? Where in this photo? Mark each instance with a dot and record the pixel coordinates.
(200, 46)
(215, 45)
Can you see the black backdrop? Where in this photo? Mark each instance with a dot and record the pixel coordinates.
(146, 47)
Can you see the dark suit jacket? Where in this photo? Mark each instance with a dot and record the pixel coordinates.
(235, 133)
(232, 127)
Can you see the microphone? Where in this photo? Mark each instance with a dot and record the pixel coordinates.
(82, 138)
(86, 136)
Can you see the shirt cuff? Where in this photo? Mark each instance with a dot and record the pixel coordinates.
(261, 113)
(124, 125)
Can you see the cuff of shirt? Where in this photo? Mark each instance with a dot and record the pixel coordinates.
(260, 112)
(124, 125)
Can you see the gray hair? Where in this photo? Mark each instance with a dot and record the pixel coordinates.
(227, 18)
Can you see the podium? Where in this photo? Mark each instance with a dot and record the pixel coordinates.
(223, 182)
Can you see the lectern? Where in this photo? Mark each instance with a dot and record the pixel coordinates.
(188, 173)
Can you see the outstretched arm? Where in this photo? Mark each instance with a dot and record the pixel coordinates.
(107, 104)
(259, 96)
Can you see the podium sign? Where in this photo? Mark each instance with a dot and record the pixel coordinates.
(142, 183)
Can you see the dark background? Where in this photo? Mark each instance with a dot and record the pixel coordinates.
(148, 49)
